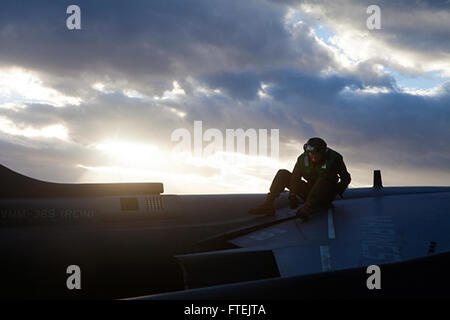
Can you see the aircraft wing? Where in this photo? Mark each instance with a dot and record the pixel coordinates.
(130, 240)
(354, 233)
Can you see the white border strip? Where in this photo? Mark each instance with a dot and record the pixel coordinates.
(325, 258)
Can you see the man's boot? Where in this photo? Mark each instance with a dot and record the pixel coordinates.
(266, 207)
(306, 210)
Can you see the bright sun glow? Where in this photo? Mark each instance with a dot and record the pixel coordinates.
(18, 85)
(221, 172)
(130, 154)
(53, 131)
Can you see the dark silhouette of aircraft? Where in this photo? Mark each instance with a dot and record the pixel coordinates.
(132, 241)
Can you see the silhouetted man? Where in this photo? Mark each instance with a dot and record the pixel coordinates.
(325, 174)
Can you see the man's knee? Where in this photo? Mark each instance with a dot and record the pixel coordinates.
(283, 173)
(283, 176)
(280, 181)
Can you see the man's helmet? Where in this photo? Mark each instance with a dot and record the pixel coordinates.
(315, 145)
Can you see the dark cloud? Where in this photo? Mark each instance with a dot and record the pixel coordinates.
(239, 47)
(241, 86)
(147, 43)
(390, 126)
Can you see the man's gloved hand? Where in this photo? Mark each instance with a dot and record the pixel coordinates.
(340, 190)
(293, 201)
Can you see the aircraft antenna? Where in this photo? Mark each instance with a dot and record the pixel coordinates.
(377, 184)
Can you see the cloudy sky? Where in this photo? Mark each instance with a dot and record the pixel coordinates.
(100, 104)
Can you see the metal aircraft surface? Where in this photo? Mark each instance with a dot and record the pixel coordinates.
(130, 240)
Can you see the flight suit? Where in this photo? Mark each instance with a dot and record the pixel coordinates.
(323, 181)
